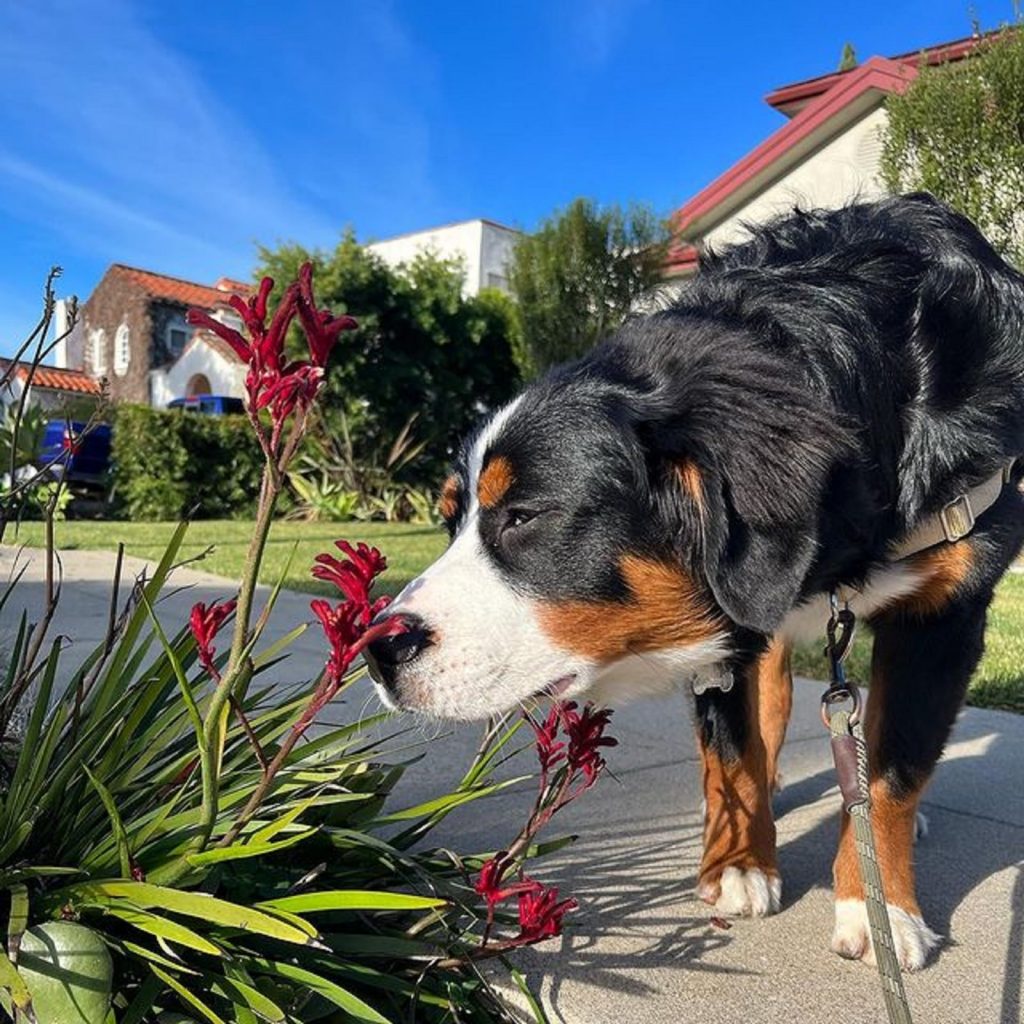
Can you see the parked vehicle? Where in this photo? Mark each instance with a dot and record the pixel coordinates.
(81, 457)
(209, 405)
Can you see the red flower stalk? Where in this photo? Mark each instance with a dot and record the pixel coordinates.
(205, 622)
(550, 751)
(489, 884)
(354, 574)
(568, 742)
(347, 625)
(270, 383)
(540, 913)
(585, 730)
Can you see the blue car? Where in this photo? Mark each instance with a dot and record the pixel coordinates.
(83, 458)
(209, 405)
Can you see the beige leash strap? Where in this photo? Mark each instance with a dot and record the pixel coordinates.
(850, 754)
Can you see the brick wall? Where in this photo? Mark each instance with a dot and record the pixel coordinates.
(117, 301)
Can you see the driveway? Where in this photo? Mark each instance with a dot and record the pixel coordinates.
(642, 948)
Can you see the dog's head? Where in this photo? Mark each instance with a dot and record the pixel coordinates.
(611, 529)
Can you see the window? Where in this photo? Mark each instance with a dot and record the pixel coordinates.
(99, 351)
(499, 281)
(122, 350)
(177, 336)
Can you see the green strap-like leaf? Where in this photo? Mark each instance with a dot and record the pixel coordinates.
(201, 905)
(240, 851)
(190, 998)
(245, 996)
(117, 825)
(12, 981)
(331, 991)
(164, 928)
(350, 899)
(18, 920)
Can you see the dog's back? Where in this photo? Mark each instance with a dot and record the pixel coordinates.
(907, 317)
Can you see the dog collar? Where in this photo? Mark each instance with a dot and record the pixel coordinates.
(954, 520)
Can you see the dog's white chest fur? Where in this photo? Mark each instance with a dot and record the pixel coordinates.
(806, 623)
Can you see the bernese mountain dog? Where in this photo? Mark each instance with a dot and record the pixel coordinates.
(833, 406)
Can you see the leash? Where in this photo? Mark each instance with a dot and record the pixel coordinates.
(850, 754)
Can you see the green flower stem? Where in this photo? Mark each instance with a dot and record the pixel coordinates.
(237, 674)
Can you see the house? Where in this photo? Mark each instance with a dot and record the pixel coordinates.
(825, 154)
(132, 331)
(483, 246)
(51, 388)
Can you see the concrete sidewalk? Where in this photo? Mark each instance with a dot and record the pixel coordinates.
(642, 948)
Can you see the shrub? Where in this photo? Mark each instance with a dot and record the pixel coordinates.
(172, 838)
(169, 464)
(958, 132)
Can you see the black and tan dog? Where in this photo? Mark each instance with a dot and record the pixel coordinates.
(826, 407)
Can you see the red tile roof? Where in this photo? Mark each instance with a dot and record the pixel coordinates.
(788, 97)
(54, 378)
(878, 74)
(174, 289)
(811, 104)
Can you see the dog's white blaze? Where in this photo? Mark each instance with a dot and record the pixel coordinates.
(490, 651)
(806, 623)
(475, 462)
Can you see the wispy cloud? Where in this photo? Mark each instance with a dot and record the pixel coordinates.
(123, 148)
(120, 144)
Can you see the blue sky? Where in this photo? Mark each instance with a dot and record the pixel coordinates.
(174, 135)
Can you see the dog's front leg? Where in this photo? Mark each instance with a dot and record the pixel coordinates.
(739, 734)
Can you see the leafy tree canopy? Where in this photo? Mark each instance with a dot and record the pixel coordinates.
(421, 348)
(578, 276)
(958, 132)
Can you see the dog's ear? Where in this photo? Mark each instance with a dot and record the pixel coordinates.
(747, 452)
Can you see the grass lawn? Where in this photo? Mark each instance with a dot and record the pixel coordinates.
(998, 683)
(408, 548)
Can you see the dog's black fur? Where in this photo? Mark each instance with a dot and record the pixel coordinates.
(836, 378)
(828, 383)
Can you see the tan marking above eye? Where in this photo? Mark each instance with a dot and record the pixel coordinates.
(495, 481)
(943, 570)
(448, 502)
(692, 482)
(667, 608)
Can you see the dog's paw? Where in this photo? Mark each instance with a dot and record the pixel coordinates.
(743, 892)
(914, 940)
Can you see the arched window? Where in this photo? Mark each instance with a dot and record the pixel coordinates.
(122, 350)
(99, 351)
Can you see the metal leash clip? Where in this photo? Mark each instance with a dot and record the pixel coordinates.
(842, 624)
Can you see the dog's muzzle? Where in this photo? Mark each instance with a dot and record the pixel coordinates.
(386, 656)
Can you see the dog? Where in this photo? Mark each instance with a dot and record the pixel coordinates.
(833, 406)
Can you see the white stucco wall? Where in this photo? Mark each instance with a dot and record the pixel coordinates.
(844, 168)
(226, 377)
(484, 249)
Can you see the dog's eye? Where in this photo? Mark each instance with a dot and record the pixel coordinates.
(519, 517)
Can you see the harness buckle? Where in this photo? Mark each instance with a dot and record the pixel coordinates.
(957, 518)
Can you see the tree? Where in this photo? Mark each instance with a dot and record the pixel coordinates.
(848, 60)
(958, 132)
(578, 276)
(421, 347)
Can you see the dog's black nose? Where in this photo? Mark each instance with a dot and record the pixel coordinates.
(384, 656)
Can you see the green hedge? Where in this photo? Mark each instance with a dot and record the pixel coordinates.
(169, 463)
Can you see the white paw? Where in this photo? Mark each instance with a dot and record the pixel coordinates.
(852, 937)
(744, 893)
